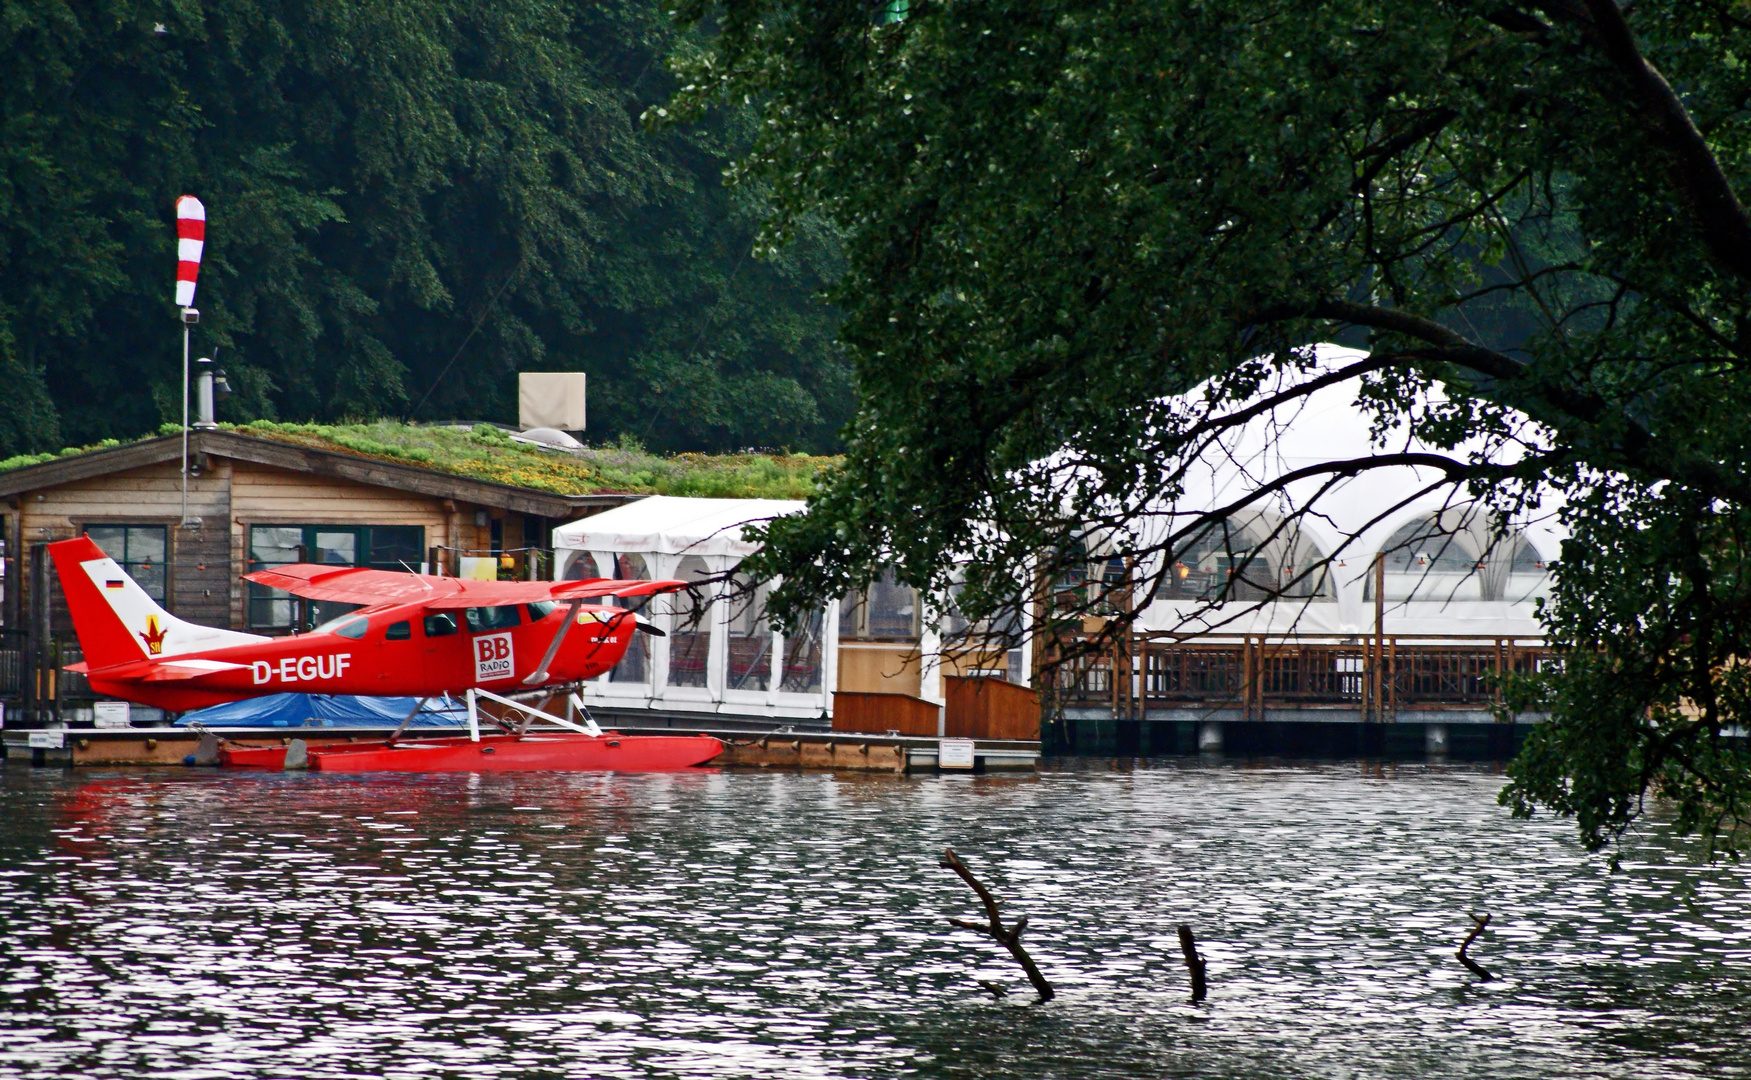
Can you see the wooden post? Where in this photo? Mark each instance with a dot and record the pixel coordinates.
(1390, 674)
(1379, 634)
(1194, 962)
(1247, 679)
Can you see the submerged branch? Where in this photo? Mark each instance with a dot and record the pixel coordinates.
(1009, 938)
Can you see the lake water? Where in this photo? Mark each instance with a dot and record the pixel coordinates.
(193, 924)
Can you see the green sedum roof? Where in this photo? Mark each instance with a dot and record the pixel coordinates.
(488, 453)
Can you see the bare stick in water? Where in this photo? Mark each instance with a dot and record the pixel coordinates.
(1475, 967)
(1009, 938)
(1194, 962)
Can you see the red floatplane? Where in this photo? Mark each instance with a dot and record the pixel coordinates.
(417, 635)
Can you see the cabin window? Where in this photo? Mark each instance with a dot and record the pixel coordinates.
(482, 620)
(140, 549)
(381, 547)
(887, 609)
(541, 609)
(442, 624)
(400, 631)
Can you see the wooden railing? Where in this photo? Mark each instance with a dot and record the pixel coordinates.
(1379, 675)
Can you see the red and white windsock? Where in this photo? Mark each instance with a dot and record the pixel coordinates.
(191, 236)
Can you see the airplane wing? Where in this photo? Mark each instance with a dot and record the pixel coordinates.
(498, 593)
(356, 585)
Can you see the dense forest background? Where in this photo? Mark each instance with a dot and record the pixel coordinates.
(407, 202)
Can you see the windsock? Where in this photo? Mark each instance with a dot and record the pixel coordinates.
(191, 236)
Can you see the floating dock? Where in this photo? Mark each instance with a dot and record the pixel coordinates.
(743, 749)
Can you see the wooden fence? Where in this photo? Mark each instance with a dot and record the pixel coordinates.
(1381, 676)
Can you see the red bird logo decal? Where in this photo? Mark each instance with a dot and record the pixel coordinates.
(153, 635)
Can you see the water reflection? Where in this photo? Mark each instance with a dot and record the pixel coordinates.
(194, 924)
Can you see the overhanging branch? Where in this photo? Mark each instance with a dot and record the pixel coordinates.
(1691, 167)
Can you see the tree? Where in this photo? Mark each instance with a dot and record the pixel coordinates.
(1061, 213)
(407, 204)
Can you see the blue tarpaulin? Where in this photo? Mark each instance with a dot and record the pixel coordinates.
(327, 710)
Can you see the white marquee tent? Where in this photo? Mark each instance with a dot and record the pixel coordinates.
(727, 659)
(1447, 571)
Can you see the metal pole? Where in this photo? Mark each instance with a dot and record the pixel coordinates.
(185, 336)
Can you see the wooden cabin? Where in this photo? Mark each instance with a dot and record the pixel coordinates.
(252, 502)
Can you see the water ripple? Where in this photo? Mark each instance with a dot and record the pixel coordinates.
(196, 925)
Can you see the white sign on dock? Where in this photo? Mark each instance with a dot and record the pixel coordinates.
(109, 714)
(954, 754)
(45, 740)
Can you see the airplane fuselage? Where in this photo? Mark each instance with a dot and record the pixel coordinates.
(401, 650)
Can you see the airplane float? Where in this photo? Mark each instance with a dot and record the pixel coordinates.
(416, 635)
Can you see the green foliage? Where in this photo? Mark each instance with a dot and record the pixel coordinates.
(407, 204)
(488, 453)
(1061, 213)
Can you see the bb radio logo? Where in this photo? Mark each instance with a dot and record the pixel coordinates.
(492, 657)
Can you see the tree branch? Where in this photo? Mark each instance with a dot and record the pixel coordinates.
(1010, 937)
(1691, 167)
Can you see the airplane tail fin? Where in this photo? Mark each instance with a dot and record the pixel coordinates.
(116, 621)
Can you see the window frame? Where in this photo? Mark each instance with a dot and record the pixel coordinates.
(368, 552)
(127, 564)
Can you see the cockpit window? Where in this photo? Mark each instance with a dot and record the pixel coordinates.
(443, 624)
(483, 619)
(540, 609)
(347, 626)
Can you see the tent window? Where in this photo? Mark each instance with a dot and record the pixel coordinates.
(886, 610)
(690, 641)
(582, 567)
(892, 608)
(1225, 561)
(635, 665)
(1426, 560)
(750, 642)
(1262, 559)
(802, 656)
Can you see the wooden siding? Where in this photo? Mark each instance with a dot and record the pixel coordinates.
(207, 561)
(264, 495)
(881, 713)
(196, 586)
(880, 668)
(984, 708)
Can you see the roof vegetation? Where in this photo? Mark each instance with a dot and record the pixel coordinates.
(488, 453)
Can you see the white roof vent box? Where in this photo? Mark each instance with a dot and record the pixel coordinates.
(551, 401)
